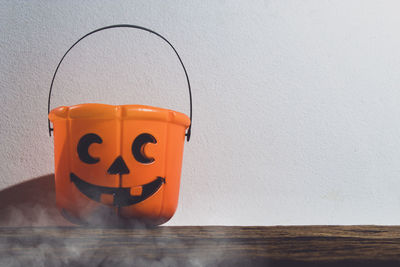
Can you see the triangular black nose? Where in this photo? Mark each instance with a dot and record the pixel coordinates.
(118, 167)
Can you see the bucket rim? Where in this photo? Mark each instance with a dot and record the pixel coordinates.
(124, 112)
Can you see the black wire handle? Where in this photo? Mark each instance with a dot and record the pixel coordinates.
(188, 133)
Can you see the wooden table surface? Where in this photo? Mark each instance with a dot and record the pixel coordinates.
(201, 246)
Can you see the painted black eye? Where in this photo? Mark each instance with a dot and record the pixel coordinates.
(83, 147)
(138, 147)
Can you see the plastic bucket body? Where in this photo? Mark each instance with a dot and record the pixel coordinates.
(123, 161)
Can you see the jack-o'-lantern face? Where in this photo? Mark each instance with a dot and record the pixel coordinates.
(120, 196)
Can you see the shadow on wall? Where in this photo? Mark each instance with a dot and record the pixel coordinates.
(31, 203)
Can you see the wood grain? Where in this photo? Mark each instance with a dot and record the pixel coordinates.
(202, 246)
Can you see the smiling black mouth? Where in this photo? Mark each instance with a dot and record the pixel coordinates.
(121, 195)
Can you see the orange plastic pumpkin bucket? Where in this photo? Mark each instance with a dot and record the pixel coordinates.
(118, 163)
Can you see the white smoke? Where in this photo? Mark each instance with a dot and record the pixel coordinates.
(34, 233)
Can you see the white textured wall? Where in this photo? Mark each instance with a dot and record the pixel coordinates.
(296, 103)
